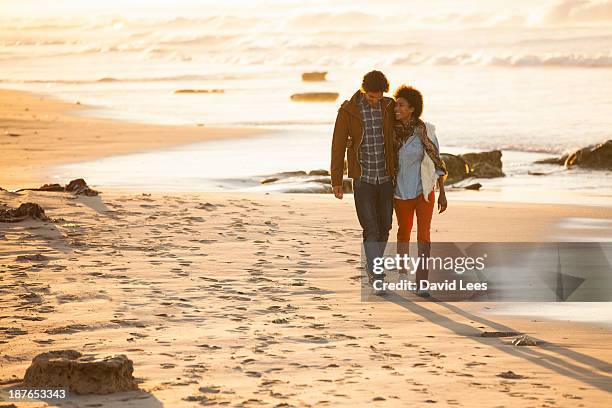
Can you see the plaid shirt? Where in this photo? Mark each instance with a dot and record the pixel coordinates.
(372, 157)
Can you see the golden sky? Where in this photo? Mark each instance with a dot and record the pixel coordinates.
(529, 12)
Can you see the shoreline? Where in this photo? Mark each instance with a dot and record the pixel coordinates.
(37, 131)
(54, 137)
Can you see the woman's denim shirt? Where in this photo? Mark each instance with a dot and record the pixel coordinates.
(409, 175)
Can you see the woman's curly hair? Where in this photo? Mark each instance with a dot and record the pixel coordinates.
(413, 97)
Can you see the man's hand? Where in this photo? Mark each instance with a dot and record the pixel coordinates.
(338, 192)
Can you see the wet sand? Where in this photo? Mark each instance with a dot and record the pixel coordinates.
(37, 131)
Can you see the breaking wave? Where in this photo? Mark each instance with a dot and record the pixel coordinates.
(111, 79)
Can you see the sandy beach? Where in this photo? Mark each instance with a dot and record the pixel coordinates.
(241, 299)
(37, 131)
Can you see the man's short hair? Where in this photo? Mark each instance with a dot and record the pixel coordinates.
(375, 81)
(412, 96)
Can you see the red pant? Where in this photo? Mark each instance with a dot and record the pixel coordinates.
(404, 210)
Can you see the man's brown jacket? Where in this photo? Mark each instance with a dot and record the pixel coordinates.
(348, 135)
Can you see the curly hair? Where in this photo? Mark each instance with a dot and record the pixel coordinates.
(375, 81)
(413, 97)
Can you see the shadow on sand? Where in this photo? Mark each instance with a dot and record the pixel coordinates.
(566, 362)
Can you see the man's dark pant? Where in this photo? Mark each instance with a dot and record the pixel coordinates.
(374, 205)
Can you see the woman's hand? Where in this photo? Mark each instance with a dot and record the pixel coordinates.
(442, 196)
(442, 204)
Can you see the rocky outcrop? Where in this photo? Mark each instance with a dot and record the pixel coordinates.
(597, 157)
(291, 173)
(313, 76)
(320, 172)
(478, 165)
(25, 210)
(347, 184)
(486, 170)
(460, 167)
(46, 187)
(269, 180)
(484, 164)
(456, 166)
(76, 186)
(315, 181)
(80, 187)
(473, 186)
(553, 160)
(493, 158)
(80, 374)
(315, 97)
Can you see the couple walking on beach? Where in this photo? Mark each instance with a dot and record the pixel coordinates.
(393, 158)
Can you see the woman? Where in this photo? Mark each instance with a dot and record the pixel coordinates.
(419, 168)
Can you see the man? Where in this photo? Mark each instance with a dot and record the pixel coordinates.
(364, 130)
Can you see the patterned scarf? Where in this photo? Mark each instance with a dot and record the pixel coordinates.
(404, 131)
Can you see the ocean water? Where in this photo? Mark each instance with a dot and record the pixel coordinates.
(530, 89)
